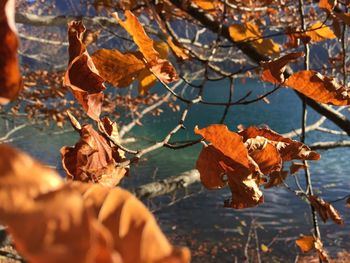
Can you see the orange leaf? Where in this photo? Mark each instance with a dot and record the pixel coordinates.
(306, 243)
(319, 32)
(274, 69)
(319, 88)
(153, 55)
(10, 76)
(326, 4)
(276, 178)
(82, 77)
(132, 226)
(227, 142)
(92, 159)
(325, 209)
(117, 68)
(251, 32)
(16, 186)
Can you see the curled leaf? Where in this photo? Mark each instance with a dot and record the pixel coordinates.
(325, 209)
(319, 88)
(296, 167)
(82, 77)
(274, 69)
(308, 243)
(288, 149)
(10, 76)
(92, 159)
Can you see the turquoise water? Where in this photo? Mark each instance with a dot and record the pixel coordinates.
(214, 233)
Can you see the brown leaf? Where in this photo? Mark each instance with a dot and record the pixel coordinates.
(74, 122)
(132, 226)
(327, 4)
(319, 88)
(228, 155)
(59, 228)
(117, 68)
(10, 77)
(92, 159)
(308, 243)
(325, 209)
(16, 186)
(155, 60)
(82, 77)
(348, 202)
(288, 149)
(227, 142)
(276, 178)
(274, 69)
(296, 167)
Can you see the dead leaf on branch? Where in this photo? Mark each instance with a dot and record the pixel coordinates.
(319, 88)
(250, 32)
(77, 222)
(92, 159)
(319, 32)
(82, 77)
(157, 64)
(325, 209)
(308, 243)
(274, 69)
(10, 77)
(296, 167)
(244, 157)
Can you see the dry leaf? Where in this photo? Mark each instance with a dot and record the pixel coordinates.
(308, 243)
(327, 4)
(276, 178)
(228, 155)
(319, 88)
(288, 149)
(325, 209)
(92, 159)
(296, 167)
(250, 32)
(117, 68)
(10, 76)
(16, 187)
(319, 32)
(274, 69)
(82, 77)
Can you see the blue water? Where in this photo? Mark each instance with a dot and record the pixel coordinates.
(214, 233)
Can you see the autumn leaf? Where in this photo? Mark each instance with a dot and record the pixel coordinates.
(76, 222)
(348, 202)
(82, 77)
(296, 167)
(16, 186)
(276, 178)
(344, 17)
(325, 209)
(319, 88)
(250, 32)
(155, 62)
(10, 76)
(274, 69)
(319, 32)
(92, 159)
(132, 226)
(308, 243)
(117, 68)
(327, 4)
(227, 155)
(288, 149)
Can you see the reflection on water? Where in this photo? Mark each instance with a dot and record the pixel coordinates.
(200, 221)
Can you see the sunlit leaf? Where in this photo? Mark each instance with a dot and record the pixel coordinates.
(319, 88)
(10, 76)
(250, 32)
(274, 69)
(308, 243)
(320, 32)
